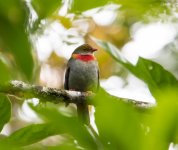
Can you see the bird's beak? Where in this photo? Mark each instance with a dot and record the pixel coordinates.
(94, 49)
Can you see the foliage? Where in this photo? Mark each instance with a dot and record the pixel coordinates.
(119, 125)
(5, 113)
(14, 39)
(156, 77)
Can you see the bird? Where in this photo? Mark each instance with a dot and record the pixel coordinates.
(82, 74)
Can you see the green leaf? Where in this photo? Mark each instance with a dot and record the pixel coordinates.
(5, 74)
(64, 147)
(13, 36)
(118, 123)
(163, 123)
(65, 124)
(134, 8)
(83, 5)
(5, 110)
(30, 134)
(139, 7)
(154, 75)
(44, 8)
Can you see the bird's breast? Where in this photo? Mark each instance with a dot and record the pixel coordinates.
(83, 75)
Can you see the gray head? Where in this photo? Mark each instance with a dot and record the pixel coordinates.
(84, 49)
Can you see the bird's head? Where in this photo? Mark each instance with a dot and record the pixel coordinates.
(84, 49)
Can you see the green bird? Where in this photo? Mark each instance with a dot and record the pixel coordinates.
(82, 74)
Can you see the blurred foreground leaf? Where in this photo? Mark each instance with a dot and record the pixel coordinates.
(44, 8)
(154, 75)
(5, 110)
(63, 147)
(13, 36)
(163, 123)
(118, 123)
(55, 123)
(140, 7)
(68, 125)
(29, 135)
(83, 5)
(5, 74)
(136, 8)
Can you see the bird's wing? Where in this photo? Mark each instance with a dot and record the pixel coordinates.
(98, 84)
(66, 83)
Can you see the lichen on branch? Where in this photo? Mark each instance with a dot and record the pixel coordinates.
(26, 91)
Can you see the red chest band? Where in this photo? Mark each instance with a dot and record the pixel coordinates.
(83, 57)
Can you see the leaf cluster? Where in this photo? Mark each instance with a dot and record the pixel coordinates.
(119, 125)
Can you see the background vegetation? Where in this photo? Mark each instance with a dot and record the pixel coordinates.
(36, 39)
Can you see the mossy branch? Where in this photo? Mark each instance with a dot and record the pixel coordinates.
(26, 91)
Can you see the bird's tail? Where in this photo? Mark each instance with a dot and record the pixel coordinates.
(83, 113)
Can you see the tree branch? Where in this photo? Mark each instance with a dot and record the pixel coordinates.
(24, 90)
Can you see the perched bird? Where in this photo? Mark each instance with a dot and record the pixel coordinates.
(82, 75)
